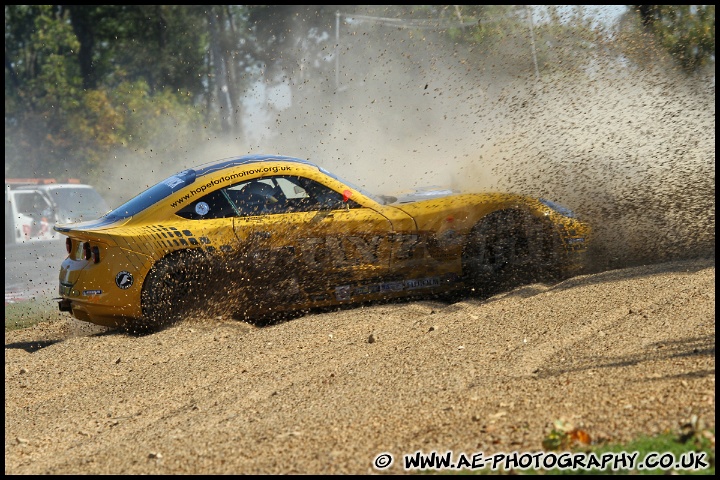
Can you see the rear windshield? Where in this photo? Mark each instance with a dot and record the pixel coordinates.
(153, 195)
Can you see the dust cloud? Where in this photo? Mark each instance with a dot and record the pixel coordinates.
(630, 149)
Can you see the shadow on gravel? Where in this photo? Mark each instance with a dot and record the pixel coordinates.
(684, 266)
(31, 347)
(681, 348)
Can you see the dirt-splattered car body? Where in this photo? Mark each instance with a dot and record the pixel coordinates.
(258, 234)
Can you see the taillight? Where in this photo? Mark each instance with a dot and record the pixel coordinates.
(68, 245)
(87, 251)
(96, 254)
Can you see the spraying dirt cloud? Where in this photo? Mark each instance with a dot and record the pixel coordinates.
(631, 149)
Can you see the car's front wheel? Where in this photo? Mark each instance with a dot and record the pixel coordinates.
(509, 248)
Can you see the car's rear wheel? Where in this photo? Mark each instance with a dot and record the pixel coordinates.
(509, 248)
(172, 289)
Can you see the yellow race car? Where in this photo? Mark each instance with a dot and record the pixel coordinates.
(256, 235)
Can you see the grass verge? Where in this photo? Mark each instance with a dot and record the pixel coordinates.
(27, 313)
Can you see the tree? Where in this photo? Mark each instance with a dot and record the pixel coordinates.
(687, 32)
(79, 77)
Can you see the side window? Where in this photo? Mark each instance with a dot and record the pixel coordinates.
(324, 198)
(291, 188)
(31, 204)
(312, 196)
(257, 197)
(268, 195)
(285, 194)
(212, 205)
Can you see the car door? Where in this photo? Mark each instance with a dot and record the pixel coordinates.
(312, 240)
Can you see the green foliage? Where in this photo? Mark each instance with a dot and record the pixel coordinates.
(691, 441)
(128, 116)
(54, 125)
(27, 313)
(691, 436)
(687, 32)
(163, 45)
(661, 444)
(46, 89)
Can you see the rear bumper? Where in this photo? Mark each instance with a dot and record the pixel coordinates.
(112, 317)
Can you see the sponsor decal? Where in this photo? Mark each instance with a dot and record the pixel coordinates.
(366, 289)
(405, 245)
(391, 286)
(202, 208)
(422, 283)
(224, 179)
(411, 284)
(345, 292)
(338, 252)
(342, 292)
(87, 293)
(173, 181)
(124, 280)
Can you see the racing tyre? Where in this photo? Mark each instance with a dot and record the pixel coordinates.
(509, 248)
(172, 290)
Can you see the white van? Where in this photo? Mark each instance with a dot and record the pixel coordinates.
(33, 206)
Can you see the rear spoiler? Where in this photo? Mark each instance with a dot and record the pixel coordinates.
(88, 225)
